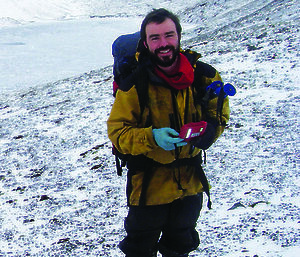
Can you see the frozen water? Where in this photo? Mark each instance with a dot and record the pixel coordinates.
(38, 53)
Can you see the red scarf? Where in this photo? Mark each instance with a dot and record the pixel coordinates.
(183, 76)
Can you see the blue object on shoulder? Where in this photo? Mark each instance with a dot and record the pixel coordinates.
(217, 86)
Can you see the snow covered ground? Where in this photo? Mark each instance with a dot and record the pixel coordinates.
(59, 194)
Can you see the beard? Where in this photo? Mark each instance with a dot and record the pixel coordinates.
(165, 61)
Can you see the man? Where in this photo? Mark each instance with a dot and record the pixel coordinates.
(165, 179)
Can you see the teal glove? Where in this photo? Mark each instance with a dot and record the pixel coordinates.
(167, 138)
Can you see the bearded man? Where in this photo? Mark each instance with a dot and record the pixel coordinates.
(165, 182)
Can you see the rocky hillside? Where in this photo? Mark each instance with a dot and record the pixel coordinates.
(59, 192)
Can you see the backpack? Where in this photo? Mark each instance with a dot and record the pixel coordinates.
(123, 51)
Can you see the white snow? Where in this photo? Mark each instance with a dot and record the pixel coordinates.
(59, 192)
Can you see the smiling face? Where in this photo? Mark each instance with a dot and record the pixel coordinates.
(162, 41)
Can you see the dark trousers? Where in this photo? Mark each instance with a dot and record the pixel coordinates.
(169, 228)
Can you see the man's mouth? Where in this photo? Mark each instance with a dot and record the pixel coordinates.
(163, 51)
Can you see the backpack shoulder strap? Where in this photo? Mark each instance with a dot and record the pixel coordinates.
(139, 79)
(142, 87)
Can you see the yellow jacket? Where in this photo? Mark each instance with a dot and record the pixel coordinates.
(131, 133)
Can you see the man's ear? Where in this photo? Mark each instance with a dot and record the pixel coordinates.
(145, 44)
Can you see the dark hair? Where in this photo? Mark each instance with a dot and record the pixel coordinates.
(159, 16)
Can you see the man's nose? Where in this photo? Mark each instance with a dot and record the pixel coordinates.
(163, 42)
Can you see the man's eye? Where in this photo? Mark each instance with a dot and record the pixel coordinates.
(170, 35)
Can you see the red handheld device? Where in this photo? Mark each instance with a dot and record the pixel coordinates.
(192, 130)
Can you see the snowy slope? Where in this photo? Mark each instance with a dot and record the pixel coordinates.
(23, 11)
(59, 194)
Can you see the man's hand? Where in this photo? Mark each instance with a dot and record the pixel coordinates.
(167, 138)
(207, 139)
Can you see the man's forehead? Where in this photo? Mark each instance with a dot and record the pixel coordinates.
(158, 28)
